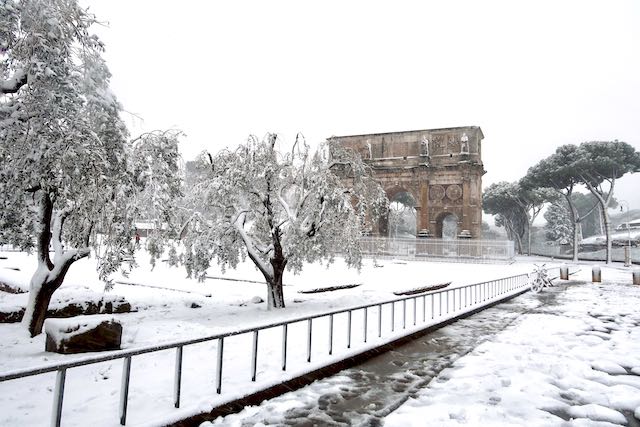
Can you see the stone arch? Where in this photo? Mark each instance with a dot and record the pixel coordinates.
(441, 168)
(447, 225)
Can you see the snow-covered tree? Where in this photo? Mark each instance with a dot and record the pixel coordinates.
(501, 199)
(280, 209)
(599, 164)
(560, 171)
(532, 202)
(558, 227)
(69, 178)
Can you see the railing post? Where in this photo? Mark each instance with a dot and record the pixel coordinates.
(440, 301)
(331, 334)
(219, 365)
(415, 310)
(58, 396)
(284, 346)
(124, 389)
(365, 325)
(424, 308)
(433, 305)
(379, 320)
(177, 379)
(454, 300)
(309, 328)
(393, 316)
(254, 356)
(349, 329)
(404, 314)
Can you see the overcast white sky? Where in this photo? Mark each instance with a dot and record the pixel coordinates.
(532, 74)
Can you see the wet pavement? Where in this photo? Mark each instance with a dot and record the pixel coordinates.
(365, 394)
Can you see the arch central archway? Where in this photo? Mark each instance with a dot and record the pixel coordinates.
(401, 217)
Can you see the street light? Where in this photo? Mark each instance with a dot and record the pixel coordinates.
(627, 249)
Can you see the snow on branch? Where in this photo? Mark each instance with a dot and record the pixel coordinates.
(13, 84)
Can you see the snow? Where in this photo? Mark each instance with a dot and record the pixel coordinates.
(13, 279)
(606, 365)
(554, 361)
(597, 413)
(494, 383)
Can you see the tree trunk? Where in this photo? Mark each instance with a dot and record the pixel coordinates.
(607, 229)
(43, 285)
(39, 297)
(576, 240)
(49, 275)
(275, 292)
(519, 240)
(575, 221)
(529, 237)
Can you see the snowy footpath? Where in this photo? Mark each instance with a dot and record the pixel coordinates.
(567, 356)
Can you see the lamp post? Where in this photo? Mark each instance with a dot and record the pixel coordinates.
(627, 249)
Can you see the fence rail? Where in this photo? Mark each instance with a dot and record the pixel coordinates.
(438, 248)
(442, 304)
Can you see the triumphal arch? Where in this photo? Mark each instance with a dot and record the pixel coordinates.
(440, 168)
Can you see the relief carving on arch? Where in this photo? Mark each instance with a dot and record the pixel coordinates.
(436, 192)
(454, 192)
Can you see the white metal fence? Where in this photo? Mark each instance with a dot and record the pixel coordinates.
(381, 247)
(370, 322)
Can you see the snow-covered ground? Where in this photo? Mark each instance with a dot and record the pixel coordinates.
(166, 315)
(567, 356)
(572, 361)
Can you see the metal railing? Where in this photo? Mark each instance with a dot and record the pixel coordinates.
(443, 304)
(566, 252)
(438, 248)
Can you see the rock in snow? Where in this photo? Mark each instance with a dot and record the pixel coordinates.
(83, 334)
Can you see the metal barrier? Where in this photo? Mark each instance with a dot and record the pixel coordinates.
(455, 300)
(418, 248)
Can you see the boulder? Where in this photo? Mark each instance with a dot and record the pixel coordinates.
(83, 334)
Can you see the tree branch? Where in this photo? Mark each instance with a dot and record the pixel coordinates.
(56, 233)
